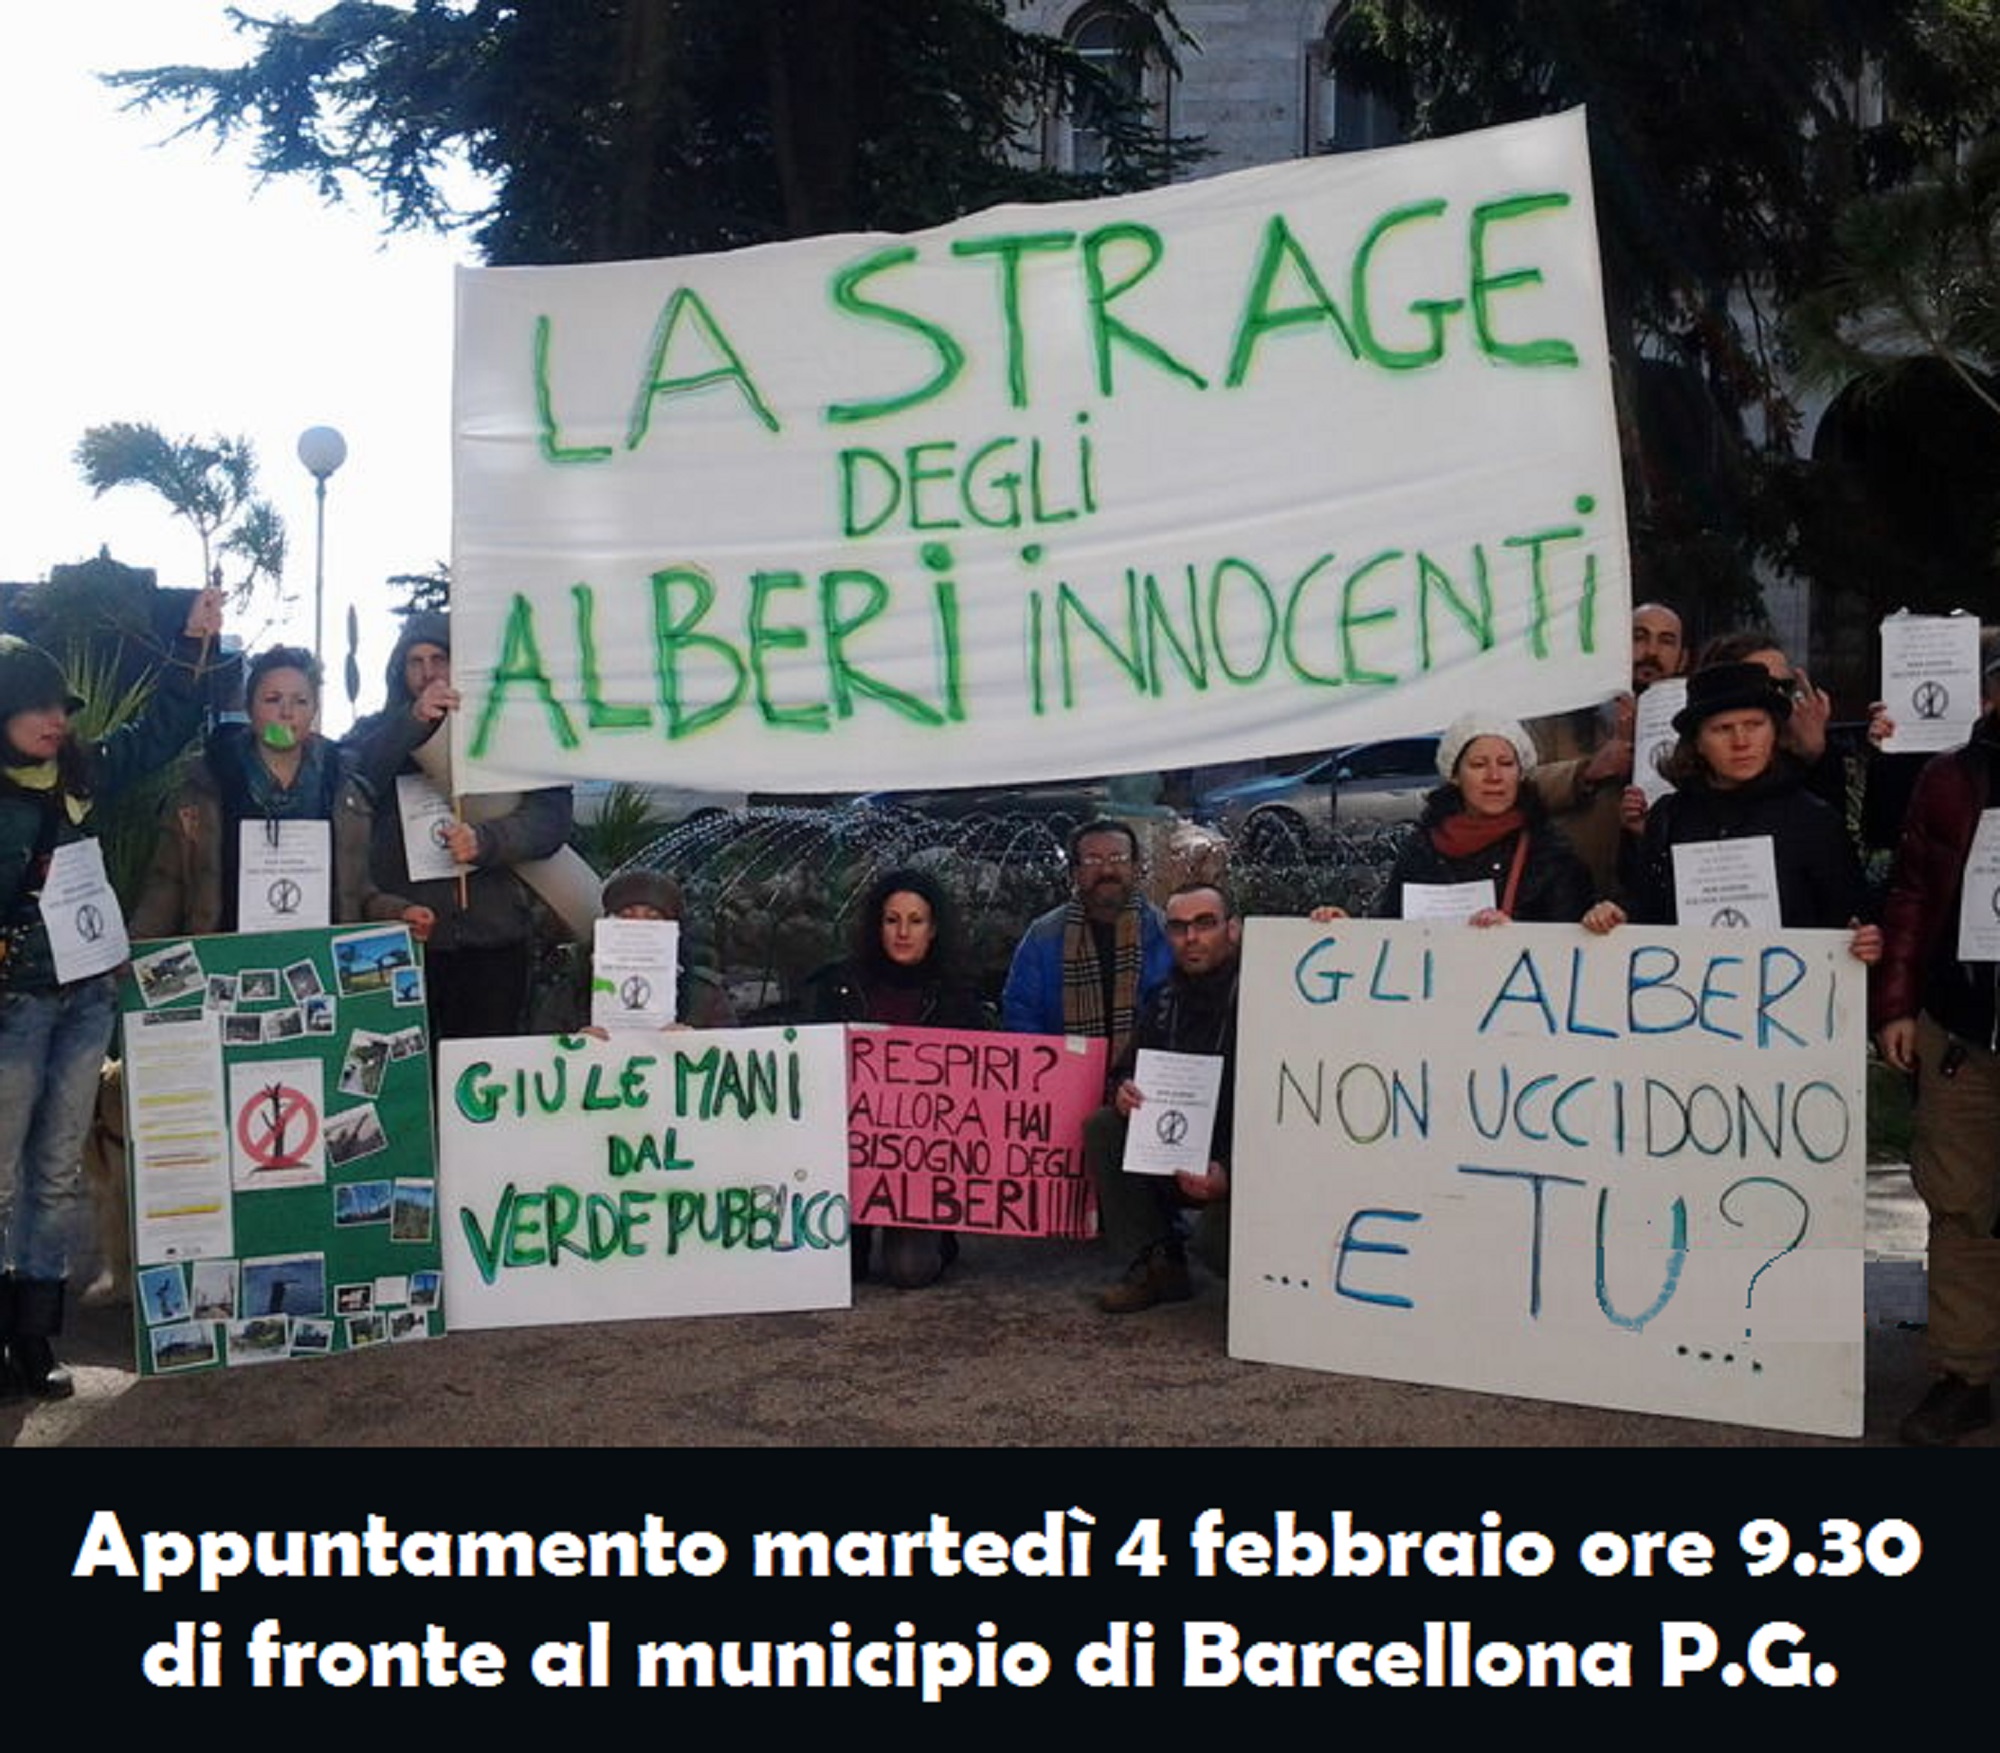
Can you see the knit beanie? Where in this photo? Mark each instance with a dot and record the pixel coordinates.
(645, 888)
(1470, 727)
(30, 679)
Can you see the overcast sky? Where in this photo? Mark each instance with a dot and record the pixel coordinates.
(153, 281)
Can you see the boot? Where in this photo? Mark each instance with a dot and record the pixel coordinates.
(38, 1312)
(1159, 1275)
(1953, 1408)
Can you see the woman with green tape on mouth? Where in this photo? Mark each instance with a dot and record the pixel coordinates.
(231, 842)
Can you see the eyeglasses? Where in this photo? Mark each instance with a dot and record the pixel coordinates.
(1105, 861)
(1201, 922)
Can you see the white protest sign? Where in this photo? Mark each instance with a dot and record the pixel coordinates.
(1244, 465)
(1979, 894)
(1172, 1129)
(86, 927)
(1654, 737)
(1930, 681)
(427, 819)
(1727, 885)
(697, 1174)
(1622, 1171)
(1455, 902)
(634, 969)
(284, 875)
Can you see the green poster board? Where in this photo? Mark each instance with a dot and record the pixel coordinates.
(279, 1148)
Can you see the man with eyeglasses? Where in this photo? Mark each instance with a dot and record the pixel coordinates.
(1086, 967)
(1194, 1012)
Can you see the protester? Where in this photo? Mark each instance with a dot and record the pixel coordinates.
(701, 1001)
(1193, 1012)
(1889, 780)
(906, 967)
(1085, 967)
(54, 1030)
(479, 953)
(1732, 785)
(1935, 1007)
(1485, 825)
(1581, 786)
(1804, 736)
(274, 769)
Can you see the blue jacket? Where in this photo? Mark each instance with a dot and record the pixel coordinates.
(1032, 1002)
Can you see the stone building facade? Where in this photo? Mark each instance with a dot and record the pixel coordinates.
(1265, 85)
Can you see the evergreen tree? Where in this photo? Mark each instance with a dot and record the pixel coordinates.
(1725, 139)
(610, 129)
(210, 484)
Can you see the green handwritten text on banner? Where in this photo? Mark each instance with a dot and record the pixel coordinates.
(658, 1173)
(1247, 465)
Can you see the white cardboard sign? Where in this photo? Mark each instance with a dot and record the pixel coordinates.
(1622, 1171)
(1246, 465)
(682, 1174)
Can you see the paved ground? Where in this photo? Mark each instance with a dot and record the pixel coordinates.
(1008, 1351)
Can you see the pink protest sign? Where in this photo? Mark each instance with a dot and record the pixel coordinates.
(952, 1130)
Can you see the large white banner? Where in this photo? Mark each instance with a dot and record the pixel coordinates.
(1248, 465)
(665, 1173)
(1622, 1171)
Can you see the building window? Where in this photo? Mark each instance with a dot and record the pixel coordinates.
(1113, 42)
(1340, 116)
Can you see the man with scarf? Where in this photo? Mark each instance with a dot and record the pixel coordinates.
(1084, 968)
(1934, 1002)
(1194, 1012)
(478, 954)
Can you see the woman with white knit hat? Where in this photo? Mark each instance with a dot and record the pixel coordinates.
(1484, 826)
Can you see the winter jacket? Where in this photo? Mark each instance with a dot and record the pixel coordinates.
(1555, 888)
(1920, 968)
(34, 822)
(1194, 1014)
(839, 993)
(496, 913)
(1032, 1002)
(184, 888)
(1820, 886)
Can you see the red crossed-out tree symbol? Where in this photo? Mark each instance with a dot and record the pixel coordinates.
(278, 1127)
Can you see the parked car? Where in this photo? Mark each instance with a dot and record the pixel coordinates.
(1365, 784)
(1077, 799)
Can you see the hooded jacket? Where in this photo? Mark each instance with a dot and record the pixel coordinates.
(33, 823)
(380, 748)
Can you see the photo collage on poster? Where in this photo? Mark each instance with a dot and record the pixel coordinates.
(282, 1171)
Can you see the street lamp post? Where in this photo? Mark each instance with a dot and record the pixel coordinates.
(322, 450)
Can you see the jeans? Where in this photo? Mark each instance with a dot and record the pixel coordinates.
(52, 1046)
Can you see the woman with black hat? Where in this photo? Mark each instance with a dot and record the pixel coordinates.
(1730, 785)
(58, 993)
(905, 968)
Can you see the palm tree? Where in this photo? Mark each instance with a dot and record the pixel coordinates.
(1917, 277)
(212, 485)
